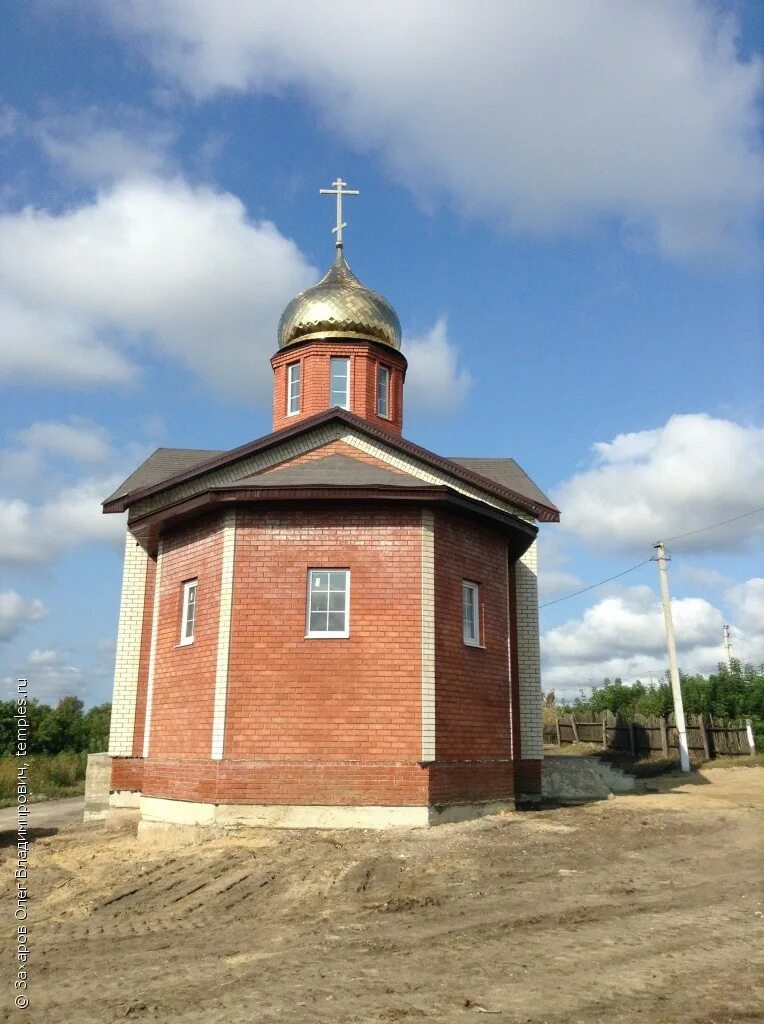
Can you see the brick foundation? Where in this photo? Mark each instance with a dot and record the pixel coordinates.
(322, 783)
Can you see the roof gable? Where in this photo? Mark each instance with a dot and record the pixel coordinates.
(333, 471)
(224, 468)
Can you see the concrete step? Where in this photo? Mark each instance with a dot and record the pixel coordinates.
(616, 779)
(572, 780)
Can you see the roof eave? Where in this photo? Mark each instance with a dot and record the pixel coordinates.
(542, 512)
(216, 499)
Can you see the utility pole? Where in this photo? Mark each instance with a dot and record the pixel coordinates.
(728, 646)
(676, 689)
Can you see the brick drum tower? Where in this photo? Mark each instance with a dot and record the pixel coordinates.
(328, 626)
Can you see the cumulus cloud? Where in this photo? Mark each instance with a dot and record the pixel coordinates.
(37, 534)
(435, 383)
(550, 116)
(76, 440)
(9, 120)
(623, 635)
(56, 346)
(63, 470)
(54, 673)
(747, 603)
(149, 262)
(16, 612)
(51, 676)
(555, 578)
(95, 146)
(694, 471)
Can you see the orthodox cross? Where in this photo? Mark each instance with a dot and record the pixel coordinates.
(339, 191)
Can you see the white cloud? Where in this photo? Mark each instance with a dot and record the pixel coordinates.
(694, 471)
(9, 120)
(94, 146)
(623, 635)
(554, 577)
(51, 676)
(45, 508)
(55, 346)
(545, 115)
(76, 440)
(747, 601)
(435, 383)
(148, 262)
(36, 534)
(16, 613)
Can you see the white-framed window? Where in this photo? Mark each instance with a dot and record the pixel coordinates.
(328, 613)
(339, 387)
(188, 615)
(471, 613)
(293, 389)
(383, 391)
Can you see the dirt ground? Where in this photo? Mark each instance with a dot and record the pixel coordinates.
(641, 908)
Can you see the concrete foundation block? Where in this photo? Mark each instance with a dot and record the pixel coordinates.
(97, 781)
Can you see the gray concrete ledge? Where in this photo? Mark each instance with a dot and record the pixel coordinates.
(97, 780)
(157, 814)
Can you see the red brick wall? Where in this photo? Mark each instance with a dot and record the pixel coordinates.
(143, 663)
(468, 781)
(472, 718)
(403, 784)
(314, 357)
(333, 722)
(184, 677)
(528, 778)
(288, 782)
(295, 698)
(127, 773)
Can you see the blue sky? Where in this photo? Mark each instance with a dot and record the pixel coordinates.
(561, 201)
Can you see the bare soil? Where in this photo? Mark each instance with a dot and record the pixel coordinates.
(641, 908)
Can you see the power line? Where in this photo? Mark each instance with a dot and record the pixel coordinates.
(593, 585)
(677, 536)
(691, 533)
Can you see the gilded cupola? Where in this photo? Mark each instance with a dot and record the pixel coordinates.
(339, 306)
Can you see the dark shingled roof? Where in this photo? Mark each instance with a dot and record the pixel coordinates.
(162, 465)
(170, 466)
(331, 471)
(507, 473)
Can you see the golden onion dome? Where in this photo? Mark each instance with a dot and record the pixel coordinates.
(339, 306)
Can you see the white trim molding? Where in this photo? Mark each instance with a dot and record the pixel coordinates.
(428, 635)
(127, 660)
(528, 655)
(224, 636)
(153, 651)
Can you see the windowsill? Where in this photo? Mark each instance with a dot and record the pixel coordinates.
(296, 413)
(327, 636)
(185, 643)
(474, 643)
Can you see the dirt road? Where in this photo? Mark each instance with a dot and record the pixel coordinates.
(45, 814)
(641, 908)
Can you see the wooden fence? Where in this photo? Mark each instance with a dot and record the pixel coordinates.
(644, 736)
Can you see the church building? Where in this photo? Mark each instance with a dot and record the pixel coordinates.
(329, 626)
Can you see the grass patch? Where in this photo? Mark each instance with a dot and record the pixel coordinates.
(647, 767)
(574, 750)
(741, 761)
(49, 776)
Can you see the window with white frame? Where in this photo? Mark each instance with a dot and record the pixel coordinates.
(471, 613)
(328, 603)
(340, 381)
(188, 615)
(383, 391)
(293, 389)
